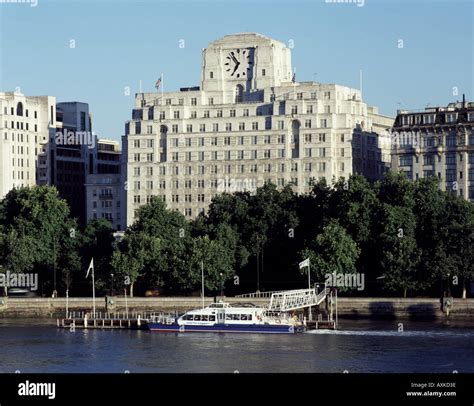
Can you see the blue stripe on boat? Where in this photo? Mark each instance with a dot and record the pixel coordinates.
(225, 328)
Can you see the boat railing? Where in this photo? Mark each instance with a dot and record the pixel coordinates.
(123, 315)
(258, 295)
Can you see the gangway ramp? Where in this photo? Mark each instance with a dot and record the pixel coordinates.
(288, 300)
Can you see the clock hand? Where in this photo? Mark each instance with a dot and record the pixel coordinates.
(234, 58)
(236, 66)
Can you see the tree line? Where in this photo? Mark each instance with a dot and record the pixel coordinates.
(406, 238)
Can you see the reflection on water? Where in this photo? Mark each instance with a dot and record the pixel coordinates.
(358, 346)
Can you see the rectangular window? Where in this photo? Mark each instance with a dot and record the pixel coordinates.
(406, 160)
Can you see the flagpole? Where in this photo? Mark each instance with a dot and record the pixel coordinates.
(162, 95)
(202, 276)
(93, 290)
(294, 83)
(67, 303)
(126, 304)
(309, 286)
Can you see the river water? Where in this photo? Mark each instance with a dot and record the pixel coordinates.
(358, 346)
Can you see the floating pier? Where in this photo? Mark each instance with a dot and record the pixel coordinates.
(82, 320)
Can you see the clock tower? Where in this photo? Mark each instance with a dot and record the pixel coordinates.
(240, 65)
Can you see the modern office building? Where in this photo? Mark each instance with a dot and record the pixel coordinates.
(105, 187)
(248, 122)
(26, 123)
(437, 141)
(69, 155)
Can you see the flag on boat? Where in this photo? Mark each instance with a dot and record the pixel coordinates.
(91, 266)
(158, 83)
(304, 263)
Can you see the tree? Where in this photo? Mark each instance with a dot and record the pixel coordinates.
(352, 202)
(135, 252)
(174, 234)
(460, 240)
(34, 224)
(332, 251)
(397, 245)
(216, 259)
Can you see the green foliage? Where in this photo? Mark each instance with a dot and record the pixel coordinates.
(332, 251)
(404, 236)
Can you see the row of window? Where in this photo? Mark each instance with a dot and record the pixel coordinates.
(19, 111)
(215, 169)
(418, 119)
(19, 174)
(20, 126)
(413, 139)
(190, 128)
(239, 155)
(451, 175)
(429, 159)
(233, 140)
(210, 101)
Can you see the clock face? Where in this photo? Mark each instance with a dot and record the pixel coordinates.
(239, 63)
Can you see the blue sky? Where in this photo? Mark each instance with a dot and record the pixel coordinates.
(120, 42)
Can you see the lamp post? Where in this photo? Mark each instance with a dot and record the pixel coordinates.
(222, 284)
(55, 292)
(112, 290)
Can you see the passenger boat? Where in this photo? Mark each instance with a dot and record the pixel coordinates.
(226, 318)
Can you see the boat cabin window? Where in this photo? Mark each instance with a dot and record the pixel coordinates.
(236, 317)
(204, 317)
(228, 317)
(197, 317)
(212, 318)
(243, 317)
(188, 317)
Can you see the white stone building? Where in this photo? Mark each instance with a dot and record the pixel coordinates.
(26, 124)
(248, 122)
(439, 142)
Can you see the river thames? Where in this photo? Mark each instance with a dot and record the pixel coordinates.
(358, 346)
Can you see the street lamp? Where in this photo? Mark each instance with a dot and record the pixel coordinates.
(222, 284)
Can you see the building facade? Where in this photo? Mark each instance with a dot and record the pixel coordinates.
(437, 142)
(105, 187)
(26, 123)
(247, 123)
(69, 155)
